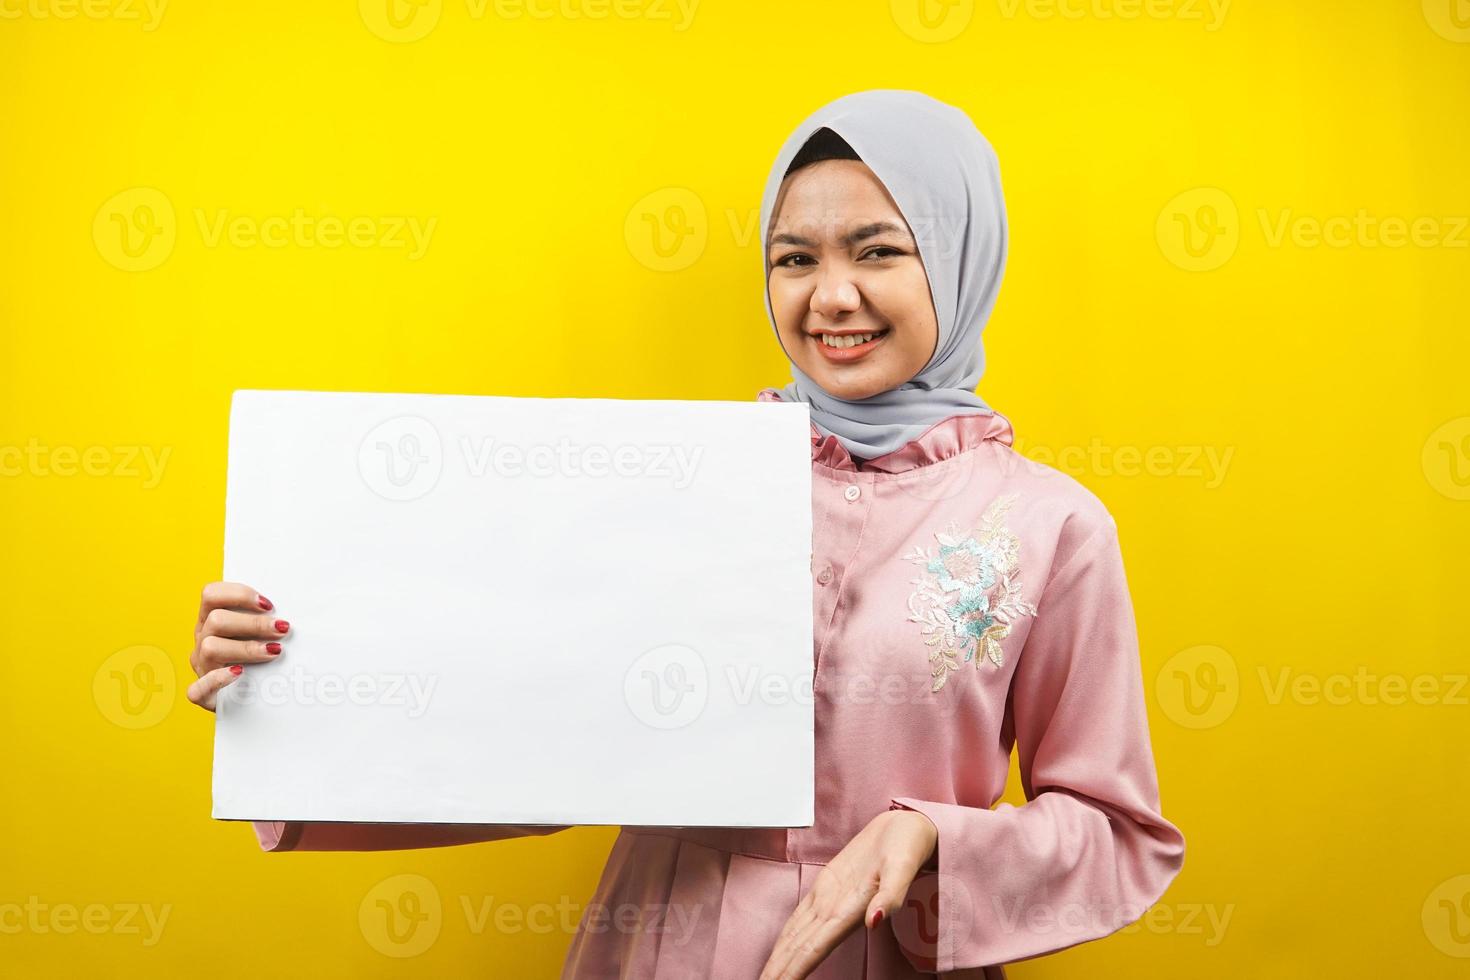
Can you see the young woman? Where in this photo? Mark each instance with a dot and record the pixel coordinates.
(965, 601)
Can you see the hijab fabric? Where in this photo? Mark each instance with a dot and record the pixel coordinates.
(945, 179)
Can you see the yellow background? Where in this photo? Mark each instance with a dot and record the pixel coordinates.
(1326, 832)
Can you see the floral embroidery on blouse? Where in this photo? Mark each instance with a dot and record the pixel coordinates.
(969, 595)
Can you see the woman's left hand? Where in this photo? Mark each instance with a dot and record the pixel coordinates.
(864, 883)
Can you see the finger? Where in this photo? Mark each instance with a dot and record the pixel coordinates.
(782, 953)
(231, 595)
(825, 936)
(219, 651)
(801, 924)
(893, 888)
(243, 626)
(205, 691)
(776, 963)
(798, 919)
(811, 946)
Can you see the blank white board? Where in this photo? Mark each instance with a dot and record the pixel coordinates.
(521, 610)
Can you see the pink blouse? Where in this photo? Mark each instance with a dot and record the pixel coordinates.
(966, 599)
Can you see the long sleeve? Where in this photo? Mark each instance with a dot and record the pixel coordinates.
(299, 836)
(1089, 851)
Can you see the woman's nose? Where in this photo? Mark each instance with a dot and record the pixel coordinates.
(836, 292)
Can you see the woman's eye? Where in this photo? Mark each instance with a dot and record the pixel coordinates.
(877, 252)
(786, 260)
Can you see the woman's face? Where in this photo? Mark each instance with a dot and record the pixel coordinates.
(843, 262)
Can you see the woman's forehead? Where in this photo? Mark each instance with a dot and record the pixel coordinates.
(830, 203)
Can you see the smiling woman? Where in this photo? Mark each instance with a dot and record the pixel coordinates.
(899, 242)
(846, 286)
(965, 602)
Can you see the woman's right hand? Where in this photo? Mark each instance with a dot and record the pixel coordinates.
(236, 626)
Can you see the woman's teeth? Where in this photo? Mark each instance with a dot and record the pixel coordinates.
(852, 340)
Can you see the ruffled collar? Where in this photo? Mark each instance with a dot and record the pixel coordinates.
(940, 441)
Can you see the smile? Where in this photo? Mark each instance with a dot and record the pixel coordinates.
(849, 347)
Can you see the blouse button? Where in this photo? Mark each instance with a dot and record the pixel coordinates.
(825, 575)
(852, 491)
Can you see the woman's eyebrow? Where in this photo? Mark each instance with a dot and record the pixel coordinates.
(856, 235)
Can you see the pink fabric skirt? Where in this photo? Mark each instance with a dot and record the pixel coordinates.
(667, 908)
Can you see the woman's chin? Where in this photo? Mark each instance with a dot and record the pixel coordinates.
(849, 386)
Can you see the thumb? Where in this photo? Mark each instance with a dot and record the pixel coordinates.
(205, 691)
(886, 901)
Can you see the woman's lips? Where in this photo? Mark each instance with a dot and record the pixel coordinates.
(842, 355)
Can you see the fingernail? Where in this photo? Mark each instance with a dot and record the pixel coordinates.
(877, 918)
(282, 626)
(235, 669)
(273, 648)
(264, 603)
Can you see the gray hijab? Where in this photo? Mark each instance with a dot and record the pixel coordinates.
(945, 179)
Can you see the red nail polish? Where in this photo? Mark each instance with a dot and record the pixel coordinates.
(877, 918)
(235, 669)
(264, 603)
(282, 626)
(272, 648)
